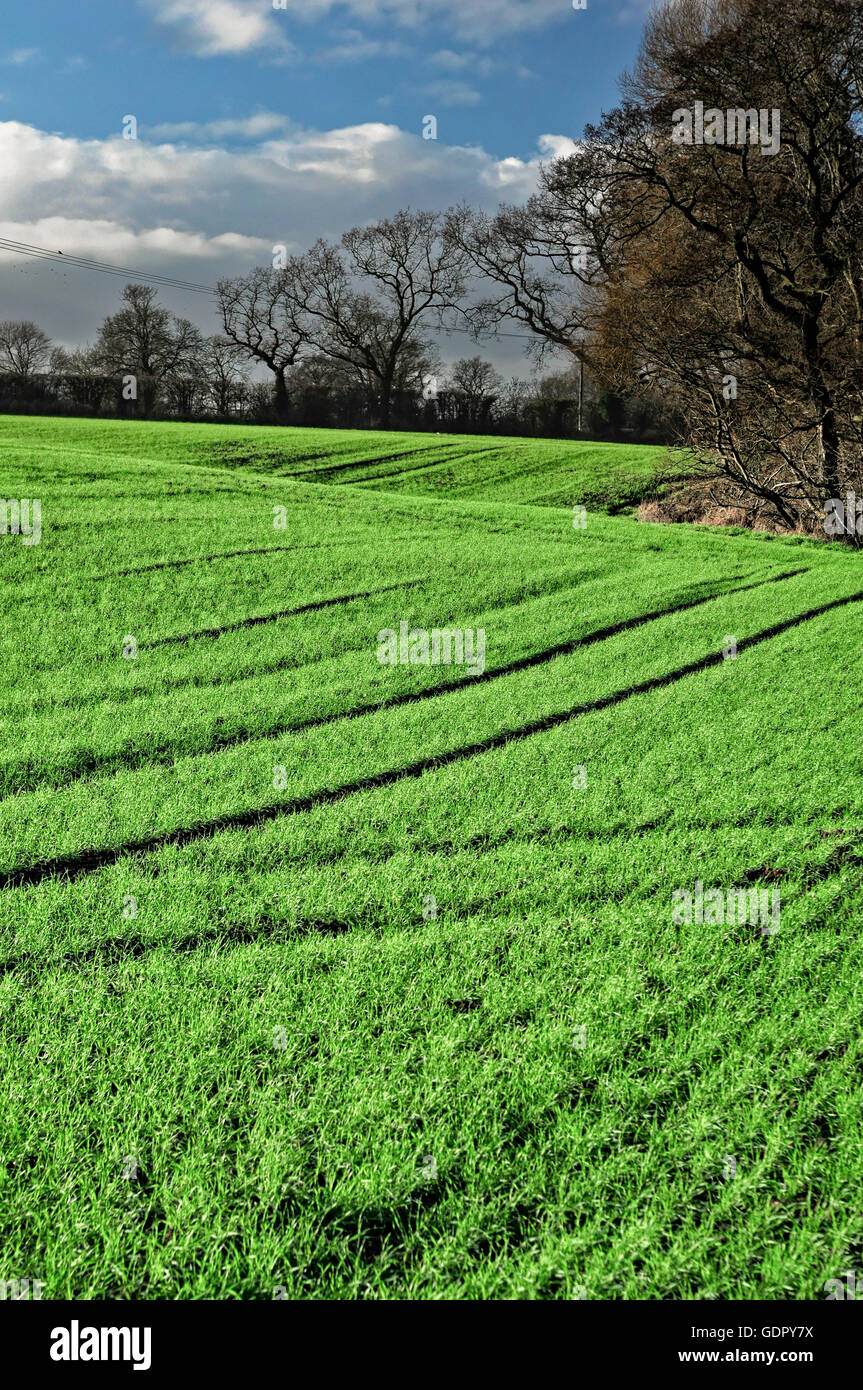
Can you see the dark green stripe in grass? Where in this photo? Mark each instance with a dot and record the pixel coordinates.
(26, 776)
(72, 866)
(283, 613)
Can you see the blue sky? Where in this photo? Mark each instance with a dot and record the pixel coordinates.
(259, 125)
(79, 67)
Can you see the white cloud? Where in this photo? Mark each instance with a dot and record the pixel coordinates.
(353, 47)
(240, 128)
(212, 27)
(20, 56)
(478, 64)
(555, 146)
(451, 61)
(218, 28)
(151, 247)
(202, 209)
(448, 92)
(316, 181)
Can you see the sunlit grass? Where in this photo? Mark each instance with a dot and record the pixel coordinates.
(412, 1018)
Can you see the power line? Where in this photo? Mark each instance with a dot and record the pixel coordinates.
(528, 337)
(42, 253)
(23, 248)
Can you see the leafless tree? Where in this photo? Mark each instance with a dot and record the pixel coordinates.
(224, 374)
(81, 381)
(365, 302)
(24, 348)
(727, 280)
(534, 268)
(149, 342)
(476, 385)
(261, 314)
(734, 279)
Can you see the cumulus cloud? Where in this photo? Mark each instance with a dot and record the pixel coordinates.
(318, 179)
(197, 206)
(555, 146)
(213, 28)
(153, 247)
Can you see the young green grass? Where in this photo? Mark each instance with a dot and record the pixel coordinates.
(353, 980)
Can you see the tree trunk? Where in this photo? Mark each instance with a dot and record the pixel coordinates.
(281, 400)
(828, 426)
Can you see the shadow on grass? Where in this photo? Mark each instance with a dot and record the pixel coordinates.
(73, 866)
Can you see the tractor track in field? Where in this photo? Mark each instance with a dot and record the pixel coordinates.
(164, 753)
(260, 618)
(30, 966)
(78, 580)
(120, 694)
(118, 950)
(306, 475)
(421, 467)
(206, 559)
(72, 866)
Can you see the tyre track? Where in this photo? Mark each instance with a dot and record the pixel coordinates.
(72, 866)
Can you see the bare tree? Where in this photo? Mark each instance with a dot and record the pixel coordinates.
(514, 397)
(261, 314)
(734, 277)
(476, 386)
(534, 267)
(24, 348)
(364, 303)
(224, 375)
(81, 382)
(148, 342)
(724, 277)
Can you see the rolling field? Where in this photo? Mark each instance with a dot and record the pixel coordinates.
(328, 978)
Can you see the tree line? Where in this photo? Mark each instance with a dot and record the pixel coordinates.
(151, 365)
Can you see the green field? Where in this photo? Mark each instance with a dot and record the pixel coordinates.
(328, 977)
